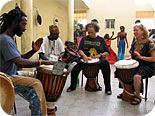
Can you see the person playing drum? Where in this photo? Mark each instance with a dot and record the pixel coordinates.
(14, 23)
(91, 47)
(142, 50)
(52, 45)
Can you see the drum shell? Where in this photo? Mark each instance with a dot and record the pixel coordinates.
(90, 70)
(128, 88)
(126, 75)
(53, 84)
(7, 93)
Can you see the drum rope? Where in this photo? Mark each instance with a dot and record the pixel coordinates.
(131, 93)
(127, 91)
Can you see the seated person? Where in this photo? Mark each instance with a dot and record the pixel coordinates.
(70, 53)
(142, 50)
(11, 59)
(52, 44)
(92, 46)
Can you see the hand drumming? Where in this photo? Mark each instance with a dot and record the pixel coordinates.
(37, 44)
(137, 54)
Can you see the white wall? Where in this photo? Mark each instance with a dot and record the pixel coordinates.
(123, 11)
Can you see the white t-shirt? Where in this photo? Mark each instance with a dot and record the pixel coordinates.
(51, 47)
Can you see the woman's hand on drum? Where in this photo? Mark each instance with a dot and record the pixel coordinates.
(85, 59)
(137, 54)
(96, 56)
(129, 58)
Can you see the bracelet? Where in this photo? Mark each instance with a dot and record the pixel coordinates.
(39, 61)
(101, 55)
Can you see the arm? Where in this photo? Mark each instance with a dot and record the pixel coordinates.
(149, 59)
(105, 54)
(28, 54)
(126, 39)
(81, 53)
(118, 40)
(85, 58)
(35, 47)
(114, 38)
(25, 63)
(42, 56)
(112, 35)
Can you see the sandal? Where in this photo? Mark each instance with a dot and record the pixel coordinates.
(136, 100)
(120, 96)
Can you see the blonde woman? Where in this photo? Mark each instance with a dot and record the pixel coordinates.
(142, 50)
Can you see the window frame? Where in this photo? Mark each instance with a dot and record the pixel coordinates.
(109, 23)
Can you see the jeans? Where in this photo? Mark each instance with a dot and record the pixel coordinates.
(36, 85)
(31, 96)
(121, 50)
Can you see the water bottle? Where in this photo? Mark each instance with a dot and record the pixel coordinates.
(77, 84)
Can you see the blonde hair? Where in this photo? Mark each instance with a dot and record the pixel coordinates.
(143, 28)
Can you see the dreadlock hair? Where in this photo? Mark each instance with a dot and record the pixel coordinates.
(6, 19)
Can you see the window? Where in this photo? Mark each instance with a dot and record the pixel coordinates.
(110, 23)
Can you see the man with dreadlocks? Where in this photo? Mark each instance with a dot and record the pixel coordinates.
(11, 24)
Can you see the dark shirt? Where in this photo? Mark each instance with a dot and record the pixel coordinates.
(144, 49)
(93, 46)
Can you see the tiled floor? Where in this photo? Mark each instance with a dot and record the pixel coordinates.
(83, 103)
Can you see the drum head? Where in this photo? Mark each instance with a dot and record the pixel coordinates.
(92, 61)
(50, 67)
(7, 95)
(126, 64)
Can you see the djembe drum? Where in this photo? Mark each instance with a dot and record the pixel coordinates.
(7, 93)
(125, 70)
(53, 84)
(90, 71)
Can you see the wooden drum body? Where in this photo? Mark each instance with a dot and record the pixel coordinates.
(7, 93)
(125, 70)
(53, 84)
(90, 71)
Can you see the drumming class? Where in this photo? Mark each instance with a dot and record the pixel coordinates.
(40, 73)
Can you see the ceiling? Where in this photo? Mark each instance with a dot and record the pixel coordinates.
(79, 5)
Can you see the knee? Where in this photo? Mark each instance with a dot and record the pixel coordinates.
(104, 62)
(77, 68)
(37, 84)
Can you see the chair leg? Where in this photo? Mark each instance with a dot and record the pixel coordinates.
(97, 79)
(82, 80)
(146, 86)
(15, 108)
